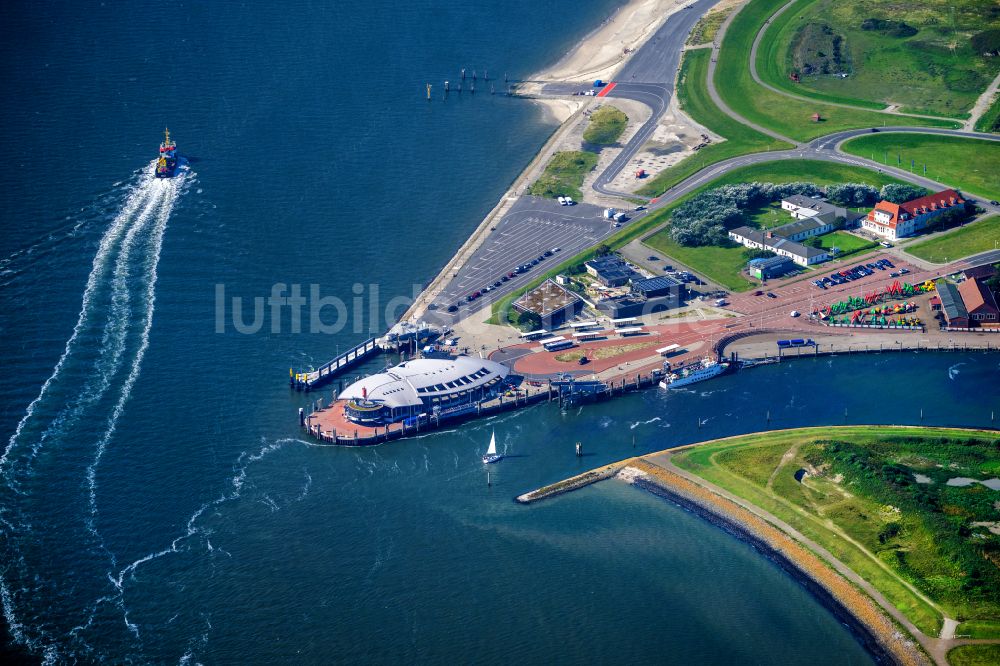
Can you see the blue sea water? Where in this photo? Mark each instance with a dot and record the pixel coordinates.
(157, 503)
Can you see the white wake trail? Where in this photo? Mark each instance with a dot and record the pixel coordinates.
(121, 222)
(153, 252)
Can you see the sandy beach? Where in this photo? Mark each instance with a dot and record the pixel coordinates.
(601, 52)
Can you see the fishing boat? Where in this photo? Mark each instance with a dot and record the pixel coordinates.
(706, 369)
(166, 164)
(491, 453)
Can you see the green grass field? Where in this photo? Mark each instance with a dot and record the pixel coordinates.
(695, 101)
(853, 490)
(971, 165)
(979, 236)
(719, 264)
(605, 126)
(974, 655)
(790, 117)
(990, 121)
(934, 71)
(848, 244)
(564, 174)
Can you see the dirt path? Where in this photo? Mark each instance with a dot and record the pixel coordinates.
(983, 103)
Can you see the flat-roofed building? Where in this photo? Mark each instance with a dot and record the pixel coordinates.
(553, 303)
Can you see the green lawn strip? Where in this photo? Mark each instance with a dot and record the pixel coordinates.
(731, 464)
(773, 60)
(974, 655)
(979, 236)
(692, 92)
(970, 165)
(990, 120)
(848, 244)
(979, 629)
(605, 126)
(564, 174)
(786, 115)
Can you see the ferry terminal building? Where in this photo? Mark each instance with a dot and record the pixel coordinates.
(423, 386)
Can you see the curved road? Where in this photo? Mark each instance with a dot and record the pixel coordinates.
(657, 97)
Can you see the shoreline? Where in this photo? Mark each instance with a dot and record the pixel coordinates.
(604, 49)
(875, 630)
(881, 627)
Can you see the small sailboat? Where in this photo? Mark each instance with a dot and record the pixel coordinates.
(491, 453)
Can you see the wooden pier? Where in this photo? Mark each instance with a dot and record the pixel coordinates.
(307, 381)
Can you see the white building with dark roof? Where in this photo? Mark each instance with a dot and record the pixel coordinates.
(422, 386)
(766, 240)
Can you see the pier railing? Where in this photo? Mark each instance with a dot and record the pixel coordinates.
(306, 381)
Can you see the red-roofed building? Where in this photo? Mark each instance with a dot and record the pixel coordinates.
(894, 221)
(979, 303)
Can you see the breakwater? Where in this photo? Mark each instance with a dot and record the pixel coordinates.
(573, 483)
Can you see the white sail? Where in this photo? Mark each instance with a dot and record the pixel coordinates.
(492, 451)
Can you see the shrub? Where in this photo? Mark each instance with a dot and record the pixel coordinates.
(889, 28)
(706, 218)
(852, 194)
(987, 42)
(898, 193)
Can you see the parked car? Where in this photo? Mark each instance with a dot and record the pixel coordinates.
(894, 274)
(583, 360)
(904, 271)
(885, 244)
(569, 201)
(562, 201)
(653, 258)
(548, 253)
(771, 294)
(453, 308)
(794, 313)
(504, 278)
(758, 293)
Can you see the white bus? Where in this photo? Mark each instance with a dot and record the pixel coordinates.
(558, 345)
(668, 350)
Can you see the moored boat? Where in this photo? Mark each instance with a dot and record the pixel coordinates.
(166, 163)
(706, 369)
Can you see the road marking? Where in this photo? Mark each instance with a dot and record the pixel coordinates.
(607, 88)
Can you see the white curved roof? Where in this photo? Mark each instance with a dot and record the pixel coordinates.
(406, 383)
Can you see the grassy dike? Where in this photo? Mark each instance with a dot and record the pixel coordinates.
(692, 93)
(895, 549)
(979, 236)
(772, 59)
(971, 165)
(788, 116)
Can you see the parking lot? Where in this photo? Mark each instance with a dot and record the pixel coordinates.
(533, 226)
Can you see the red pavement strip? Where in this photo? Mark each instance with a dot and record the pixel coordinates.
(607, 88)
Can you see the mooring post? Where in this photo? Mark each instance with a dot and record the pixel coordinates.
(302, 417)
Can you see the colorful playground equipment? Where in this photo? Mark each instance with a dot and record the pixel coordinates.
(872, 309)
